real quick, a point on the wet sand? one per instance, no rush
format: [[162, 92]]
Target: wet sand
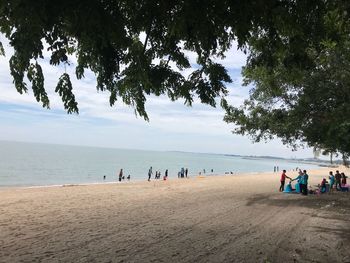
[[240, 218]]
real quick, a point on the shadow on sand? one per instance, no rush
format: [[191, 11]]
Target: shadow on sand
[[334, 206]]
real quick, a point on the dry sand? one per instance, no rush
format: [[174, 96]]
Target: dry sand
[[241, 218]]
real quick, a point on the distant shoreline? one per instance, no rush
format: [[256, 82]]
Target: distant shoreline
[[138, 181], [33, 164]]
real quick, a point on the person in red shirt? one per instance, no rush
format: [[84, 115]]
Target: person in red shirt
[[283, 180]]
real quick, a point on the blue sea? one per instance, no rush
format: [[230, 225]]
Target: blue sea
[[35, 164]]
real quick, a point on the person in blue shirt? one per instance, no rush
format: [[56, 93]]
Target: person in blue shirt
[[303, 183], [331, 180], [298, 179]]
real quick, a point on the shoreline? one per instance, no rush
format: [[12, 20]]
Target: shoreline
[[137, 181]]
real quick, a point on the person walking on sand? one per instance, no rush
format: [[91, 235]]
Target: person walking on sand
[[120, 175], [283, 180], [149, 173]]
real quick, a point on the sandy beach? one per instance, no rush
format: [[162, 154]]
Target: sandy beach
[[240, 218]]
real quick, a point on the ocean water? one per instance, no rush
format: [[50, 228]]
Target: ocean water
[[35, 164]]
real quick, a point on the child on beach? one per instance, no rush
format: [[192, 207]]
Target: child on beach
[[322, 186], [283, 180]]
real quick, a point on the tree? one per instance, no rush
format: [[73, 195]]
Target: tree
[[331, 153], [106, 37], [300, 99]]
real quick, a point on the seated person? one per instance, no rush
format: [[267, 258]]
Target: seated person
[[345, 188], [289, 188], [323, 186]]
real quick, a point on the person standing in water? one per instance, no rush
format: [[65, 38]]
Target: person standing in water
[[120, 175], [283, 180], [186, 172], [149, 173]]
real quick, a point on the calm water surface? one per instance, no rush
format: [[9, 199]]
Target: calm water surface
[[34, 164]]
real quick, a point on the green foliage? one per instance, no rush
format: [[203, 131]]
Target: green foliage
[[300, 102], [2, 51], [35, 75], [64, 89], [298, 58], [106, 37]]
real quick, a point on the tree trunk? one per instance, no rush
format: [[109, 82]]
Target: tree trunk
[[331, 157], [345, 160]]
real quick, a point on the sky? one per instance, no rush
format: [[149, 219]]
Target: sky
[[172, 125]]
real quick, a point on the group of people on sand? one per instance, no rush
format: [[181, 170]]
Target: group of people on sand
[[157, 174], [337, 181], [301, 185]]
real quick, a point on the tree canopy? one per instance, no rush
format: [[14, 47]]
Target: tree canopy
[[106, 37], [298, 58], [300, 100]]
